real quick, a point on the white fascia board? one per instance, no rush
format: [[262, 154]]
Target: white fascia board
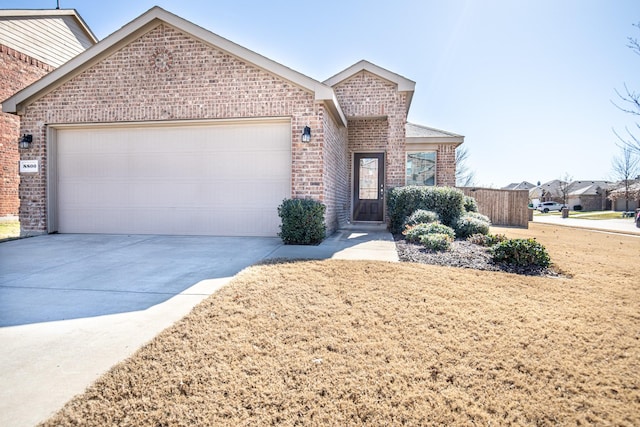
[[435, 140]]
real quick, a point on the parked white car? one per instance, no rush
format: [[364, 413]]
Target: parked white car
[[550, 206]]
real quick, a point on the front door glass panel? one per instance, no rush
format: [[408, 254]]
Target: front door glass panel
[[368, 185]]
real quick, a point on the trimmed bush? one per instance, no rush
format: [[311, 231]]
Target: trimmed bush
[[486, 239], [421, 216], [470, 224], [478, 215], [470, 204], [436, 241], [521, 252], [447, 202], [412, 233], [302, 222]]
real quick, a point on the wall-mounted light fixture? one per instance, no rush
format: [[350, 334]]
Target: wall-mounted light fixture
[[25, 141], [306, 134]]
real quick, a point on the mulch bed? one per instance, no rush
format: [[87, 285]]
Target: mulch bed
[[463, 254]]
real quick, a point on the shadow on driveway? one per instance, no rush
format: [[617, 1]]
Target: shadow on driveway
[[69, 276]]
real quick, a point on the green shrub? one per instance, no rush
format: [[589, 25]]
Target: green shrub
[[479, 216], [521, 252], [470, 204], [486, 239], [403, 201], [471, 224], [436, 241], [412, 233], [302, 222], [421, 216]]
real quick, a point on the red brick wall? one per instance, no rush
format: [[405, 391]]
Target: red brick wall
[[16, 72], [202, 83], [377, 115], [336, 172], [446, 165], [367, 135]]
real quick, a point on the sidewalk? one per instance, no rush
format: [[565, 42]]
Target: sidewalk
[[622, 225]]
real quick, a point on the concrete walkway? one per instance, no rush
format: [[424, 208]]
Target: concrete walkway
[[354, 242], [72, 306], [622, 225]]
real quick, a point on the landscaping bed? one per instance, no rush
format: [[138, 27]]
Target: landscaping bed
[[464, 254]]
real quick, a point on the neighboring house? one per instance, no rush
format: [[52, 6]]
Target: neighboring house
[[524, 185], [32, 44], [547, 192], [590, 195], [164, 127], [618, 196]]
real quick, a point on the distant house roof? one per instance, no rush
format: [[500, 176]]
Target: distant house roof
[[524, 185], [551, 188], [423, 134], [588, 188], [50, 36], [619, 192]]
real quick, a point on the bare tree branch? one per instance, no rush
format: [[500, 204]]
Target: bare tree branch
[[630, 97], [625, 168], [564, 186], [630, 100], [465, 177], [634, 45]]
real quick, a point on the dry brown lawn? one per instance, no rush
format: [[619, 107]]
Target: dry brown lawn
[[372, 343]]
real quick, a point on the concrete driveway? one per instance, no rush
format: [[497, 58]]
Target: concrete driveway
[[65, 276], [72, 306]]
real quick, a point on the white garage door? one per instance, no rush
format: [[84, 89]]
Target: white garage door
[[216, 179]]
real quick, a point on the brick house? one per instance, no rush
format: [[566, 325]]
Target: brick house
[[32, 44], [164, 127]]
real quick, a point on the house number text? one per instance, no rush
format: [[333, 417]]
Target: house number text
[[28, 166]]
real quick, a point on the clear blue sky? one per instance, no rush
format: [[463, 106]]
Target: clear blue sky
[[528, 82]]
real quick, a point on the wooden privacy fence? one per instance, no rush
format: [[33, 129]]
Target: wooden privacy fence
[[504, 207]]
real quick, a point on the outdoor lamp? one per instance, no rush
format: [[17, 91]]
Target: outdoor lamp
[[25, 141], [306, 134]]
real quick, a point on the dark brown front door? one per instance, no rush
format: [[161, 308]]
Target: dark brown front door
[[368, 187]]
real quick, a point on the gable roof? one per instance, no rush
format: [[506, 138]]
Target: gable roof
[[589, 190], [418, 134], [141, 25], [50, 36], [404, 84], [588, 187], [524, 185]]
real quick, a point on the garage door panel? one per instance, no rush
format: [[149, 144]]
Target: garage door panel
[[213, 180]]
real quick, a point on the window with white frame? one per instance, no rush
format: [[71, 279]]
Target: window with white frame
[[421, 168]]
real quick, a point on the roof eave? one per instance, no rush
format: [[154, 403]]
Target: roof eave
[[435, 140], [146, 22]]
